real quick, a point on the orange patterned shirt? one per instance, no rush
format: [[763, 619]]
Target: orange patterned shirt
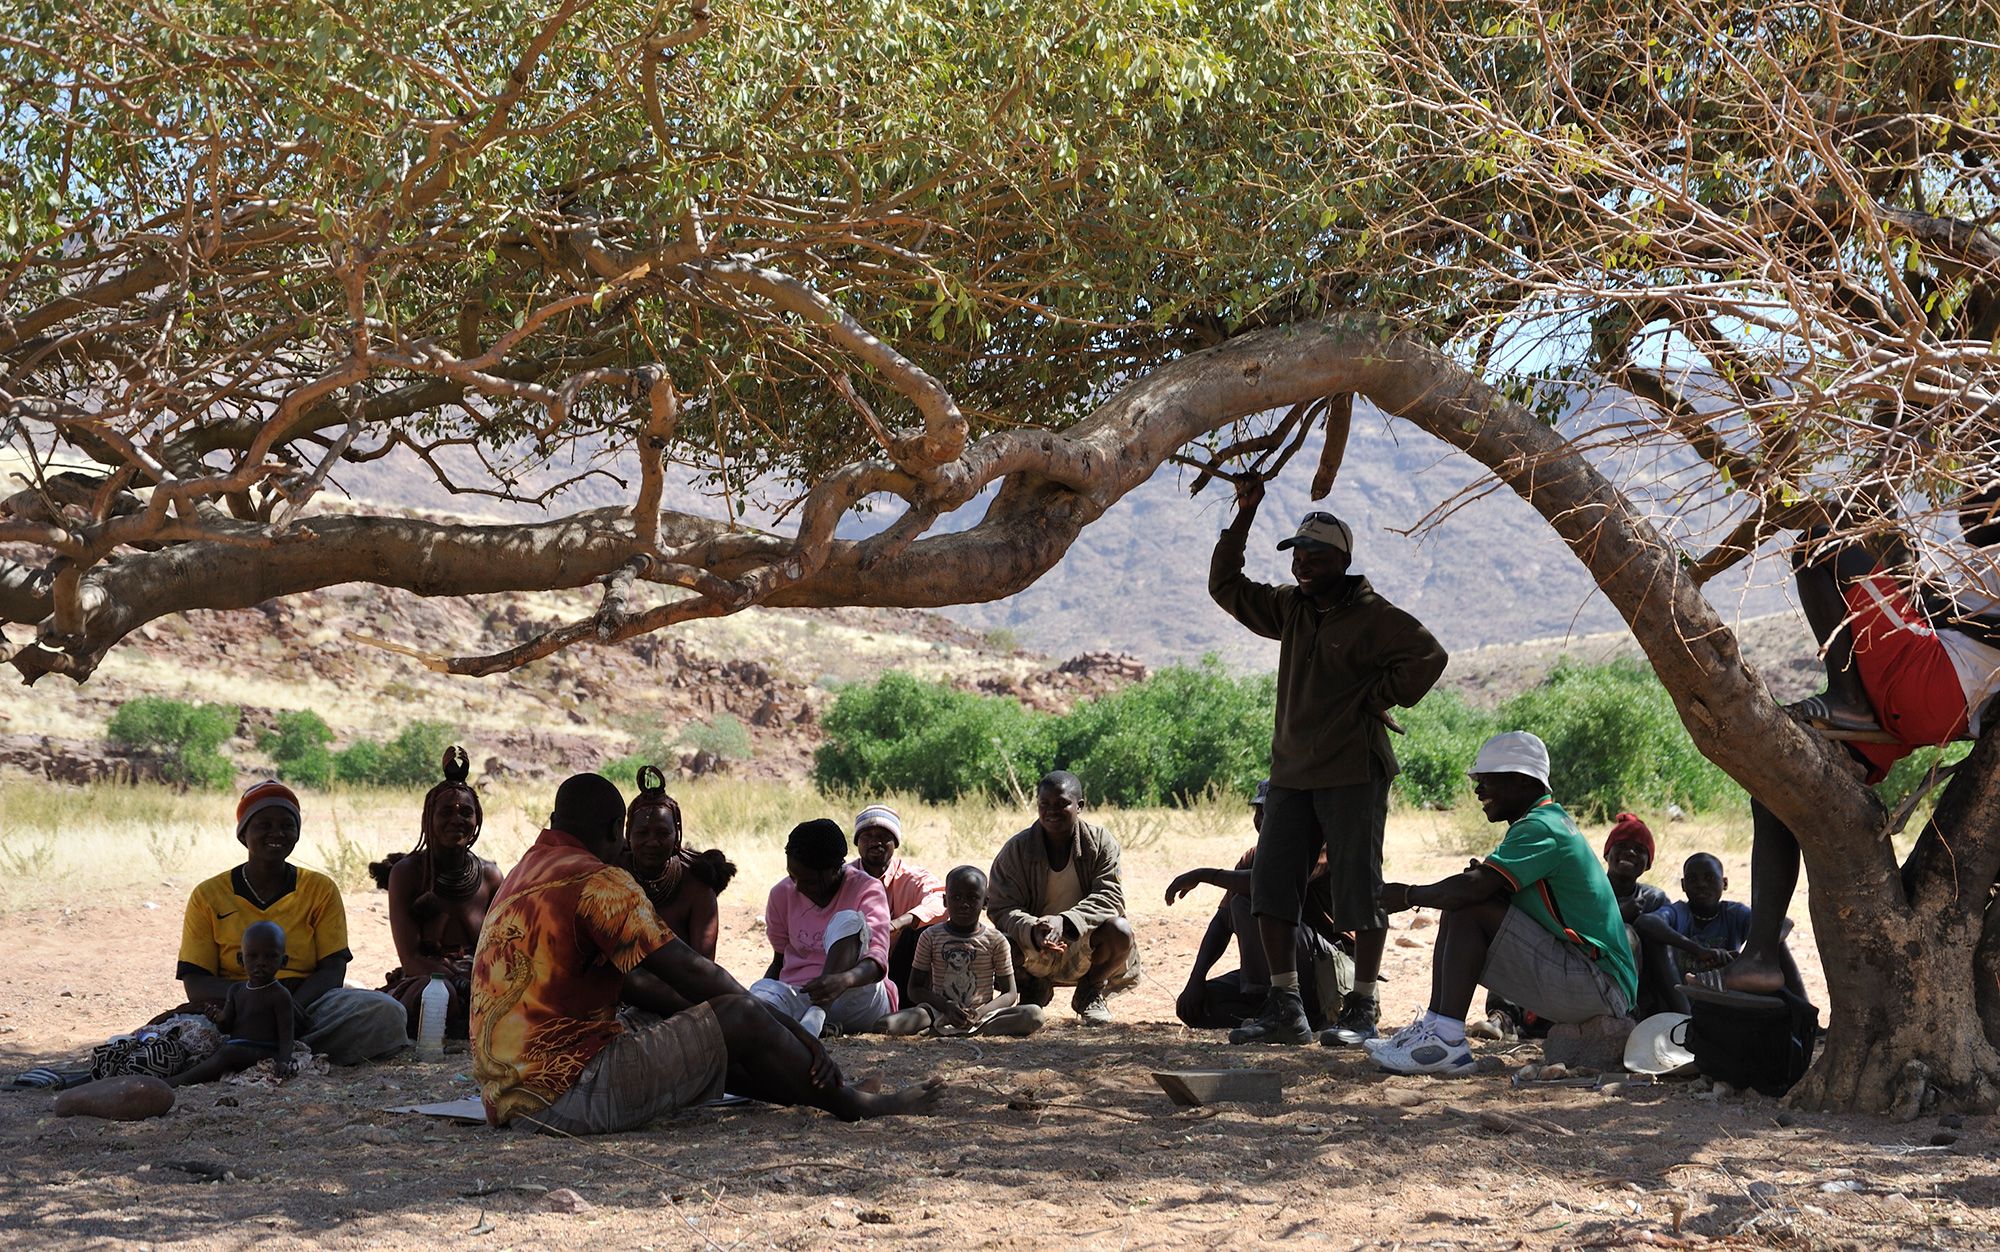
[[563, 931]]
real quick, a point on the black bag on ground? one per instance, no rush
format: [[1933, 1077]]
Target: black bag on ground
[[1764, 1042]]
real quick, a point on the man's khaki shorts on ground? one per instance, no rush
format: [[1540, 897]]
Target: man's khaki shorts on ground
[[1550, 977], [1068, 967], [653, 1069]]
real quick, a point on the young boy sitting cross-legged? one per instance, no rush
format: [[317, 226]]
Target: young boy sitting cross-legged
[[962, 978], [1699, 932], [256, 1017]]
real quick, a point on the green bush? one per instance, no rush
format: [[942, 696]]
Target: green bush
[[188, 738], [1615, 741], [1182, 733], [903, 734], [1910, 773], [409, 760], [1189, 731], [1177, 737], [300, 747], [625, 770], [725, 736], [1444, 736]]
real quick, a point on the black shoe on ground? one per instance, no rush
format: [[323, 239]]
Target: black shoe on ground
[[1356, 1024], [1282, 1021]]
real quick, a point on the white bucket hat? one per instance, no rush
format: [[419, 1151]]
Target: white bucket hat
[[1514, 752], [1658, 1045]]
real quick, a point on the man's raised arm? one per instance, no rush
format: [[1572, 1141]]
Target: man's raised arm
[[1252, 603]]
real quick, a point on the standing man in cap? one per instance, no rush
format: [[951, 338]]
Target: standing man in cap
[[1346, 656], [1535, 922], [916, 897]]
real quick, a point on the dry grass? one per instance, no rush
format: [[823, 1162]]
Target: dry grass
[[71, 845]]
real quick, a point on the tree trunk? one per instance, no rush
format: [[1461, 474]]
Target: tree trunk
[[1905, 1029], [1903, 959]]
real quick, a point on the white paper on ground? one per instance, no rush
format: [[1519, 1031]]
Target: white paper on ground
[[470, 1109]]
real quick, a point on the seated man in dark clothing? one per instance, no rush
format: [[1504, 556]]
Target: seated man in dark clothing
[[1324, 954]]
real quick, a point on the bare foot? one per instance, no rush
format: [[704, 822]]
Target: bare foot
[[916, 1099], [1745, 973]]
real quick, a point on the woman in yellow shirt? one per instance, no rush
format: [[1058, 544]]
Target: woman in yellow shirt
[[346, 1024]]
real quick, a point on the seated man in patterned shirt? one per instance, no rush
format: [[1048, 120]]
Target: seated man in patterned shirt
[[548, 1047]]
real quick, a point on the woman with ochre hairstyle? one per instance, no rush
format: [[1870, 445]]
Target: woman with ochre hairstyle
[[438, 894]]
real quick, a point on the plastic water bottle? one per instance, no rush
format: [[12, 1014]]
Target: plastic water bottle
[[430, 1019]]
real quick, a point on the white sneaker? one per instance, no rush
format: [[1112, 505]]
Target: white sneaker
[[1402, 1036], [1423, 1051]]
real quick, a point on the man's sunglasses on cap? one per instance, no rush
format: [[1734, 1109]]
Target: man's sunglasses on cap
[[1321, 529]]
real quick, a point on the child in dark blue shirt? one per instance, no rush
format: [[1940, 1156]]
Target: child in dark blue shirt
[[1699, 932]]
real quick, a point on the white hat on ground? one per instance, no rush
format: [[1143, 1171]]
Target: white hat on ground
[[1514, 752], [1658, 1044]]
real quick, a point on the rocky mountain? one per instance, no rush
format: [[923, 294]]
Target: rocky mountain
[[1433, 533], [1476, 564]]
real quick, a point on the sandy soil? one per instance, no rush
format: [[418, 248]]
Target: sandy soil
[[1061, 1138]]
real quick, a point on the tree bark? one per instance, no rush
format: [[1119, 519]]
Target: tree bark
[[1909, 1000]]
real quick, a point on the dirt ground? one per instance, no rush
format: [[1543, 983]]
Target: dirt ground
[[1062, 1138]]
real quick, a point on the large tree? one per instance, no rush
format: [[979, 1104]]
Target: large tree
[[914, 250]]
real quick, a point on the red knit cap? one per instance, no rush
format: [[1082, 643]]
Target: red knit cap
[[269, 794], [1627, 828]]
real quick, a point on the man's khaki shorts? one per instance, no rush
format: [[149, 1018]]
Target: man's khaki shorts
[[1548, 976], [650, 1070]]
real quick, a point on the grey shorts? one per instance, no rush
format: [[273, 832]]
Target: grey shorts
[[643, 1073], [1347, 822], [1550, 977]]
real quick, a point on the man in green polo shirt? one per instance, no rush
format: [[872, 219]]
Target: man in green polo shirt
[[1536, 921]]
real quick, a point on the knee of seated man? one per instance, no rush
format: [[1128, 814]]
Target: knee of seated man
[[1112, 936], [736, 1013]]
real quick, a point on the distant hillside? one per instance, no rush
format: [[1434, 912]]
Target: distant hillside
[[773, 671], [1779, 645], [1492, 572]]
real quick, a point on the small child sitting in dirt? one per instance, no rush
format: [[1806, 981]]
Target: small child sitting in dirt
[[1700, 932], [256, 1017], [962, 977]]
